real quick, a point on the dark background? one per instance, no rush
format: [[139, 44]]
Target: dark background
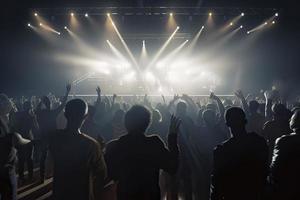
[[277, 56]]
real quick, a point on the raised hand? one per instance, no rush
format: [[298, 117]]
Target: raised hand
[[239, 94], [98, 90], [68, 87], [174, 125], [213, 96]]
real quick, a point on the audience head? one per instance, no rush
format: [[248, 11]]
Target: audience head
[[137, 119], [76, 111], [46, 101], [209, 117], [27, 106], [279, 111], [5, 105], [295, 121], [181, 108], [236, 120], [119, 116], [253, 106], [156, 116]]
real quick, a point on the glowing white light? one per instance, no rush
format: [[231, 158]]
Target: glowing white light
[[231, 24], [241, 26], [273, 22], [108, 14], [65, 27], [29, 24], [186, 40], [171, 14], [177, 27], [266, 23], [242, 14], [58, 33], [86, 15], [129, 77], [41, 24], [210, 14], [248, 32], [35, 14], [72, 14], [149, 77], [160, 89], [202, 27], [276, 14]]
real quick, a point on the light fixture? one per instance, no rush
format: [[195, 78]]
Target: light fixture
[[86, 15], [210, 14], [171, 14], [35, 14], [72, 14], [231, 23], [41, 24], [65, 27], [241, 26], [276, 14], [242, 14], [29, 24]]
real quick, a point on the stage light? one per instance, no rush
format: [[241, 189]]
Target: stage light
[[65, 27], [273, 22], [86, 15], [210, 14], [35, 14], [276, 14], [72, 14], [171, 14], [29, 24], [248, 32], [266, 23], [107, 41], [177, 27], [241, 26], [58, 33], [186, 40], [231, 24], [242, 14], [108, 14], [202, 27], [41, 24]]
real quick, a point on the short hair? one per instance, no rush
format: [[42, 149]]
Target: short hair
[[253, 105], [137, 119], [5, 104], [295, 120], [76, 109], [235, 116], [279, 109]]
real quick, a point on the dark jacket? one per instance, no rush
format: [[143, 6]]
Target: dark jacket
[[240, 168], [285, 168], [134, 161]]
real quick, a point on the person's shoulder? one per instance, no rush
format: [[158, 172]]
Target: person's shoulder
[[286, 139], [88, 139], [156, 139]]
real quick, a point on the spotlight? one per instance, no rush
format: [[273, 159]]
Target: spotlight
[[171, 14], [276, 14], [210, 14], [35, 14], [72, 14], [242, 14], [65, 27], [41, 24], [266, 23], [202, 27], [107, 41], [58, 33], [108, 14], [248, 32], [86, 15], [186, 40], [177, 27], [29, 24], [231, 24], [273, 22], [241, 26]]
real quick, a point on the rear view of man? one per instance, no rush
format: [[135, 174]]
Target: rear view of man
[[79, 167], [240, 163], [134, 160]]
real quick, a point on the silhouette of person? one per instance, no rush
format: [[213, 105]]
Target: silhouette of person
[[134, 160], [8, 141], [79, 167], [47, 124], [278, 126], [255, 120], [25, 124], [285, 166], [241, 163]]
